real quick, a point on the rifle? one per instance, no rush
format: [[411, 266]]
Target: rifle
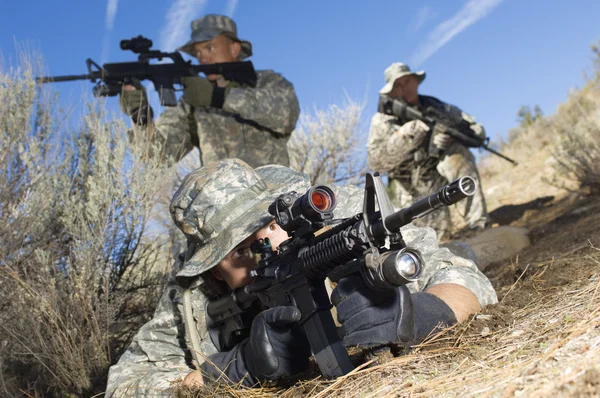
[[321, 246], [438, 124], [110, 77]]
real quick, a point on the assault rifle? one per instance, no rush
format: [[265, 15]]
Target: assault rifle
[[321, 247], [438, 124], [110, 77]]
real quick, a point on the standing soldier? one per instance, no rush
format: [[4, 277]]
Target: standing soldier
[[400, 147], [222, 118]]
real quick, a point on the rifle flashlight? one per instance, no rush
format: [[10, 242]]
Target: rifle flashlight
[[402, 267]]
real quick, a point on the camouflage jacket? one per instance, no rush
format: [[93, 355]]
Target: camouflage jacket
[[391, 152], [159, 355], [254, 125]]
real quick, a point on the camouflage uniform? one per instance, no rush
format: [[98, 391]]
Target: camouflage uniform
[[254, 123], [217, 207], [412, 173]]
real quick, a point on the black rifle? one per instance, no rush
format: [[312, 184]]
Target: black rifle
[[111, 77], [321, 247], [438, 124]]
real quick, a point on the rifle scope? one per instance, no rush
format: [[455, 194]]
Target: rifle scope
[[138, 44], [316, 205]]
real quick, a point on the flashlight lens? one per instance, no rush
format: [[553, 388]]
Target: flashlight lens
[[406, 264]]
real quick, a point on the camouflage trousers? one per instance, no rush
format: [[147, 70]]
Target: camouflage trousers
[[420, 182]]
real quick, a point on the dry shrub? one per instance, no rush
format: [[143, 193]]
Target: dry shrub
[[577, 130], [76, 269], [562, 149], [328, 144]]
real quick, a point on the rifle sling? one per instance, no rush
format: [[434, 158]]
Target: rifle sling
[[190, 329]]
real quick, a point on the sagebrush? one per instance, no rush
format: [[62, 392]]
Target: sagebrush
[[78, 271]]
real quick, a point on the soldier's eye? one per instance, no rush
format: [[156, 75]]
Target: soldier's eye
[[242, 252]]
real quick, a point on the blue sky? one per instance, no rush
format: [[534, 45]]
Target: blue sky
[[487, 56]]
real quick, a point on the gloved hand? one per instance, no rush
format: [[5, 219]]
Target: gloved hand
[[371, 318], [130, 101], [442, 141], [277, 347], [478, 130], [415, 131], [199, 92]]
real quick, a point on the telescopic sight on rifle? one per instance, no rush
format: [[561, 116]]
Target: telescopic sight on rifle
[[138, 44]]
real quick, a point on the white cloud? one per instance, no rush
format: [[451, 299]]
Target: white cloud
[[109, 19], [176, 30], [231, 6], [424, 14], [111, 11], [473, 11]]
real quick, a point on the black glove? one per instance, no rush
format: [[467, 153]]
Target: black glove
[[373, 318], [277, 347], [199, 92]]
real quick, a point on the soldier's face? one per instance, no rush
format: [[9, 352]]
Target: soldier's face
[[235, 267], [407, 88], [218, 50]]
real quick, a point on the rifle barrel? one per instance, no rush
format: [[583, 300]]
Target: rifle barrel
[[487, 148], [445, 196], [67, 78]]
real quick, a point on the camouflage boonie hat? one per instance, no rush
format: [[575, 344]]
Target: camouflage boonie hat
[[395, 71], [210, 26], [219, 205]]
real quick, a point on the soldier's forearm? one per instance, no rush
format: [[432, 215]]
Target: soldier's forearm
[[460, 299]]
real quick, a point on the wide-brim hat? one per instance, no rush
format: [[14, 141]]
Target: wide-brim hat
[[210, 26], [396, 71], [219, 205]]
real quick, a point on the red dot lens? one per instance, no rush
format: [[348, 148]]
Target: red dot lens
[[321, 199]]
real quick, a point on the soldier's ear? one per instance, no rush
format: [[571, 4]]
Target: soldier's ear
[[216, 272], [235, 49]]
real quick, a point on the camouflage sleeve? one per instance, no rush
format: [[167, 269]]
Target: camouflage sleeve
[[441, 266], [157, 356], [386, 148], [272, 104], [171, 132], [458, 115]]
